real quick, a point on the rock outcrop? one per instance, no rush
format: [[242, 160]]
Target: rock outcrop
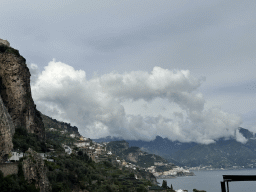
[[16, 92], [6, 132], [5, 42], [35, 170]]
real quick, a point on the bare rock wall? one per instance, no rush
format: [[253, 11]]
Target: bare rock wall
[[6, 132], [16, 92], [35, 170]]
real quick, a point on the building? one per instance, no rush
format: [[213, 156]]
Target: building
[[82, 143], [67, 149], [16, 156]]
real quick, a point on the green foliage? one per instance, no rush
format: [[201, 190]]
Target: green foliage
[[131, 175], [13, 183], [23, 140], [57, 138], [69, 172], [146, 160], [141, 188], [108, 164], [1, 175], [13, 51]]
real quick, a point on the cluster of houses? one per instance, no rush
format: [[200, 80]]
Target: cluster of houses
[[98, 152], [174, 172]]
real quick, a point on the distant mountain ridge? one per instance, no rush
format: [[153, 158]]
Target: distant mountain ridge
[[224, 153]]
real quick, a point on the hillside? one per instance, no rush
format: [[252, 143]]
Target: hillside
[[224, 153], [59, 125], [134, 154]]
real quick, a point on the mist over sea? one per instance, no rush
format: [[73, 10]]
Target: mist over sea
[[210, 181]]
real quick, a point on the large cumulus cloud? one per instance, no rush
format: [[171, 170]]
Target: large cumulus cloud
[[95, 105]]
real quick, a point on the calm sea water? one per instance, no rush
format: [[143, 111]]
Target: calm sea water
[[210, 181]]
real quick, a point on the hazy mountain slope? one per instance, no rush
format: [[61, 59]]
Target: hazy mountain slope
[[224, 153]]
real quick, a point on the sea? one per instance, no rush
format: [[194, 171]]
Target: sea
[[210, 181]]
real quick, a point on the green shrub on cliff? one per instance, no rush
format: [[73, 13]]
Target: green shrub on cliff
[[23, 140], [14, 183]]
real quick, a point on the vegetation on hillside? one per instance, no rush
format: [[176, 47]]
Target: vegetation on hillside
[[122, 149], [72, 172], [76, 171], [22, 140], [14, 183]]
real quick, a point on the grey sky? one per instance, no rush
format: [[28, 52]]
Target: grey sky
[[211, 39]]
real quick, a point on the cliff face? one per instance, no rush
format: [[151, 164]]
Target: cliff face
[[35, 170], [16, 92], [6, 132], [134, 156]]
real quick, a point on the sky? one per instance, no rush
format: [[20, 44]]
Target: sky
[[184, 70]]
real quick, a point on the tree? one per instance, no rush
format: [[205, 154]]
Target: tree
[[171, 188], [164, 184]]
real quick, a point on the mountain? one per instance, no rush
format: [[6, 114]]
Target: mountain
[[20, 121], [17, 106], [15, 91], [222, 154], [133, 154], [159, 146], [225, 153]]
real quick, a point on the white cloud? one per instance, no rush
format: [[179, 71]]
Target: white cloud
[[240, 137], [33, 68], [96, 105]]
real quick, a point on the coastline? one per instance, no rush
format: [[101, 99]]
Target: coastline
[[209, 180]]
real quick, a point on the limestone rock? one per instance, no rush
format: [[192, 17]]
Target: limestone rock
[[35, 171], [16, 92], [5, 42], [6, 132]]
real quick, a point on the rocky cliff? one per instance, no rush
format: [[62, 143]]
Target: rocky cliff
[[16, 92], [6, 132], [35, 171]]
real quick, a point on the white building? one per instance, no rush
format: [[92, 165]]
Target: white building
[[16, 156], [82, 143], [68, 150]]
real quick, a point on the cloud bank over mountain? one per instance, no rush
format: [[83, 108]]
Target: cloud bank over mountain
[[96, 105]]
